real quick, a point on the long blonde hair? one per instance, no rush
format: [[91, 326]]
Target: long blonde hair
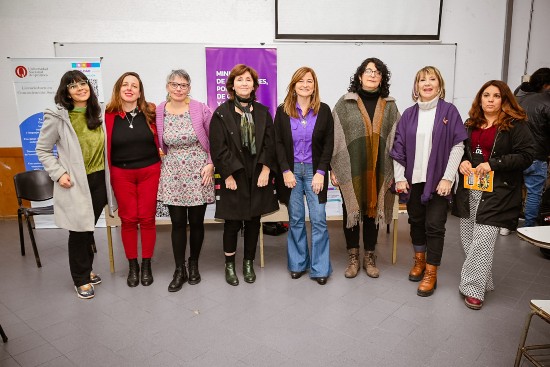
[[289, 104]]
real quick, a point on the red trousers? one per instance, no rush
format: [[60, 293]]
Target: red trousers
[[136, 193]]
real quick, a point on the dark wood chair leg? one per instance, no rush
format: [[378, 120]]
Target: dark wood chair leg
[[3, 334], [33, 242], [21, 236]]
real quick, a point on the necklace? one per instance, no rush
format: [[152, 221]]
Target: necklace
[[133, 113]]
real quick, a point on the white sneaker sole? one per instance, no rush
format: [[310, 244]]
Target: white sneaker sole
[[84, 297]]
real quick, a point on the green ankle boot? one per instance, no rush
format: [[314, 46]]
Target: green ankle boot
[[230, 275], [248, 271]]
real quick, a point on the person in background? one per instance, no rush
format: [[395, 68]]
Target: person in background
[[499, 141], [134, 159], [534, 97], [427, 150], [304, 133], [365, 119], [242, 146], [81, 177], [187, 173]]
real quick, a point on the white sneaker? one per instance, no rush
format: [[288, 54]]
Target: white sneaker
[[505, 232]]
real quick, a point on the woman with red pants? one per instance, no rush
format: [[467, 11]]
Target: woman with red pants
[[134, 159]]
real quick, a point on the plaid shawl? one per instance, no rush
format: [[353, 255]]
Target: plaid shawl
[[361, 160]]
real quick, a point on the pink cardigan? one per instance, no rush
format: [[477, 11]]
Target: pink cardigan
[[200, 118]]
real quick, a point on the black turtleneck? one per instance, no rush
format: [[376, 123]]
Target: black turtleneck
[[369, 99]]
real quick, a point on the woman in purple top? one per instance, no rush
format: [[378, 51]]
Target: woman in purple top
[[427, 150], [187, 174], [304, 133]]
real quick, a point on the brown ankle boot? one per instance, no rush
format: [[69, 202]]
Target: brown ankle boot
[[429, 282], [353, 266], [417, 271], [369, 264]]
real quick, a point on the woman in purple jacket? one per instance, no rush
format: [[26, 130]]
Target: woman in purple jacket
[[187, 173], [427, 151]]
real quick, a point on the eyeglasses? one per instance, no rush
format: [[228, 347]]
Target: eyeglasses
[[174, 85], [372, 72], [80, 84]]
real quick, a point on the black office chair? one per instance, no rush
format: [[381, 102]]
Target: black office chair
[[3, 335], [32, 186]]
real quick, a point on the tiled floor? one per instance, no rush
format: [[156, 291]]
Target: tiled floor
[[275, 322]]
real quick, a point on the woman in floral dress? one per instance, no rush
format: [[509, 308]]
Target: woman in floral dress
[[186, 180]]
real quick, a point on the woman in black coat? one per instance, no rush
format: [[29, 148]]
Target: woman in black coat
[[499, 140], [304, 134], [243, 152]]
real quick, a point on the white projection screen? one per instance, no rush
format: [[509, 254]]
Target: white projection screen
[[358, 19]]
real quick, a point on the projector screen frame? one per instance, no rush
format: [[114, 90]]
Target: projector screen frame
[[356, 37]]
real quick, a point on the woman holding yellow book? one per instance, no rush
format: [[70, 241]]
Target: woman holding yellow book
[[499, 141]]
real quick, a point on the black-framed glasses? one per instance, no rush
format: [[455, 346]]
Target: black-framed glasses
[[76, 85], [373, 72], [175, 85]]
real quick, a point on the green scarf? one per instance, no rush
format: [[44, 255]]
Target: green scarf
[[248, 131]]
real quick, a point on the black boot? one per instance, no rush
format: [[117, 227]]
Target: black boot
[[194, 275], [146, 274], [248, 271], [133, 273], [230, 275], [180, 277]]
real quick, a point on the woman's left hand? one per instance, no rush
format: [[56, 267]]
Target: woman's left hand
[[207, 174], [483, 168], [264, 177], [444, 187], [317, 183]]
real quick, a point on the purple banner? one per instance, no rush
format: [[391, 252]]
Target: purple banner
[[220, 61]]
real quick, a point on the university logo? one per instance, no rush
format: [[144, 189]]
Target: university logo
[[21, 71]]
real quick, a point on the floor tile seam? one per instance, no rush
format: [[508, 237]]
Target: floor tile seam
[[54, 357], [36, 346]]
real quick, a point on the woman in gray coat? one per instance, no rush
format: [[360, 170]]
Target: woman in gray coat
[[79, 172]]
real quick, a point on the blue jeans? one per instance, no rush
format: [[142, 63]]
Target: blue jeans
[[297, 249], [534, 178]]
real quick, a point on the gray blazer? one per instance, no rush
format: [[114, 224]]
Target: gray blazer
[[73, 206]]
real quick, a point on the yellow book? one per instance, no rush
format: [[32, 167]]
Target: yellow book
[[479, 183]]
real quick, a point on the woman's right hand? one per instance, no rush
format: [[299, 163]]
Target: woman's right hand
[[289, 179], [333, 179], [466, 168], [65, 181], [402, 187], [230, 183]]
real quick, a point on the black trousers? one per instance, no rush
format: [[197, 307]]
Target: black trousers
[[179, 216], [81, 253], [370, 232], [427, 223], [231, 230]]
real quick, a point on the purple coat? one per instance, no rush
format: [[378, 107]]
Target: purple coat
[[448, 131], [200, 119]]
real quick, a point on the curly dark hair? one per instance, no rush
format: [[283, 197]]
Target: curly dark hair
[[355, 83], [62, 97]]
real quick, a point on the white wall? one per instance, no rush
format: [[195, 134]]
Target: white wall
[[539, 50], [28, 28]]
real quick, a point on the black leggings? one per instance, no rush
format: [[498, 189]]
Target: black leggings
[[179, 216], [231, 230]]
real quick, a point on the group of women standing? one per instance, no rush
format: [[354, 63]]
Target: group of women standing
[[370, 151]]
